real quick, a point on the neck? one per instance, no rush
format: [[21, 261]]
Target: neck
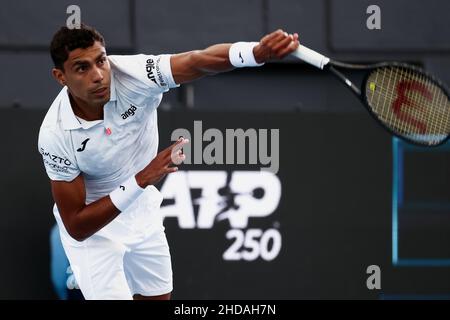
[[84, 111]]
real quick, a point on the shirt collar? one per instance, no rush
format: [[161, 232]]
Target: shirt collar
[[68, 119]]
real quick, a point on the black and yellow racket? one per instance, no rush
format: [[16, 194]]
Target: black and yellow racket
[[405, 100]]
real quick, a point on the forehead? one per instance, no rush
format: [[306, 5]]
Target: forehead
[[86, 54]]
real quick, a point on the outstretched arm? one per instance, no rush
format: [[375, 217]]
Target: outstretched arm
[[192, 65]]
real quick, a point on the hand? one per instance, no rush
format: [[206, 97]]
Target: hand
[[277, 45], [160, 165]]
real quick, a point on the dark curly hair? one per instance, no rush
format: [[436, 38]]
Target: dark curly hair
[[66, 40]]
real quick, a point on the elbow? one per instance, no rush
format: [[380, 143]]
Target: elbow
[[78, 236], [76, 233]]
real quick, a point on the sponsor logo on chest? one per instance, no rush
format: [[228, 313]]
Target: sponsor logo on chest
[[129, 113]]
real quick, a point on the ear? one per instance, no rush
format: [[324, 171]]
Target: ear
[[58, 74]]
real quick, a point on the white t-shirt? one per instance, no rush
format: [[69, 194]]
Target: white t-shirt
[[107, 152]]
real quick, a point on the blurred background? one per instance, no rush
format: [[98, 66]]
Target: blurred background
[[347, 195]]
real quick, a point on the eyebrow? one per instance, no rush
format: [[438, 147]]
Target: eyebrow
[[84, 62]]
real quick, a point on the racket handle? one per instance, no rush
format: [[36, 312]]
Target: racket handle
[[310, 56]]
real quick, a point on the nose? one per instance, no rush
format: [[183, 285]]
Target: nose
[[97, 75]]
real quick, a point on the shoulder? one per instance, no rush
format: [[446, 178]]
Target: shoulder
[[48, 135], [57, 154], [52, 117], [151, 73], [54, 144], [51, 133]]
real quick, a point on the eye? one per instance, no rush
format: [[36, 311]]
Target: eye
[[102, 61], [81, 69]]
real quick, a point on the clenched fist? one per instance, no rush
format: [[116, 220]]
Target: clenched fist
[[275, 45]]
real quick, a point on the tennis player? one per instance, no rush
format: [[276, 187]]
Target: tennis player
[[99, 143]]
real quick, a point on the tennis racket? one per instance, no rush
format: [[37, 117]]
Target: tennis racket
[[410, 103]]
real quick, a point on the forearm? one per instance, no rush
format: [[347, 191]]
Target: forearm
[[196, 64], [192, 65], [92, 218], [81, 220], [213, 59]]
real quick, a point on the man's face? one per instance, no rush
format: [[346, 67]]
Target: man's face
[[87, 74]]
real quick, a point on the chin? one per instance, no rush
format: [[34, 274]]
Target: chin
[[100, 101], [106, 100]]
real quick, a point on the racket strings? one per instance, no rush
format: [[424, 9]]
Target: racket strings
[[419, 99], [416, 97], [409, 103]]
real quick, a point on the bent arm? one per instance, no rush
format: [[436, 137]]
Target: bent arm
[[81, 220]]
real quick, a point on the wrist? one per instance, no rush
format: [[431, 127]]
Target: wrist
[[259, 54], [140, 180], [126, 193], [241, 55]]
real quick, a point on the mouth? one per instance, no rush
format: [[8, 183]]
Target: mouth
[[100, 92]]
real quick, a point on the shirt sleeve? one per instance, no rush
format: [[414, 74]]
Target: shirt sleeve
[[150, 74], [59, 162]]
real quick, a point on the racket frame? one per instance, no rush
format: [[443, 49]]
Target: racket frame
[[360, 92]]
